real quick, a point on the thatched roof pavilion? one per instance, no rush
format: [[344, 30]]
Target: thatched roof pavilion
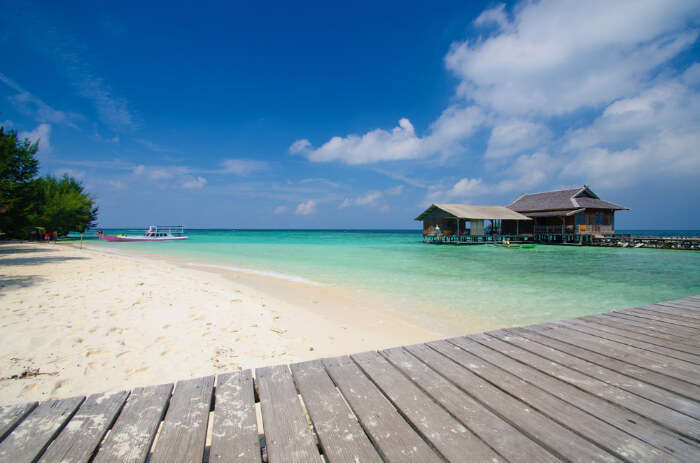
[[451, 219]]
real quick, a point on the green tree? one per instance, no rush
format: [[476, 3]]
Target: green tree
[[27, 202], [18, 168], [63, 205]]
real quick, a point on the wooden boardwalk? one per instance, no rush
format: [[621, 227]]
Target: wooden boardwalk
[[620, 386]]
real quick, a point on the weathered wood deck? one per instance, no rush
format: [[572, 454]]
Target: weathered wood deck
[[620, 386]]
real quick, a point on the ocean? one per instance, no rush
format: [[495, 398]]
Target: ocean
[[497, 286]]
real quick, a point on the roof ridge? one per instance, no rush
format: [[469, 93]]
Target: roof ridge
[[551, 191]]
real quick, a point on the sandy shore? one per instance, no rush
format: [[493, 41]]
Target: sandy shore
[[90, 321]]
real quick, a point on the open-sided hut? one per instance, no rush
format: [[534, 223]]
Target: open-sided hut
[[566, 215], [459, 220]]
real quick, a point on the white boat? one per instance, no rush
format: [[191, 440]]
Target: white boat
[[153, 233]]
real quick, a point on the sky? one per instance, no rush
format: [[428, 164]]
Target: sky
[[357, 115]]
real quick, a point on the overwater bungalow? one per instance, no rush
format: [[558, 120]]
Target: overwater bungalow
[[464, 223], [575, 215], [565, 216]]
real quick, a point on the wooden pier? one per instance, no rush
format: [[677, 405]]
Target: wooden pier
[[619, 386]]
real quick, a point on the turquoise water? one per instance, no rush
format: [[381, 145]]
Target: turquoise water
[[498, 286]]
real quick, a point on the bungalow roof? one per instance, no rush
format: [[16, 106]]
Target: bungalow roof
[[569, 199]]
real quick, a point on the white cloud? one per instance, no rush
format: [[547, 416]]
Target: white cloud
[[300, 146], [378, 145], [306, 207], [374, 199], [7, 124], [561, 55], [281, 210], [193, 183], [496, 15], [371, 198], [29, 104], [401, 143], [509, 137], [42, 133], [523, 174], [241, 167], [655, 133]]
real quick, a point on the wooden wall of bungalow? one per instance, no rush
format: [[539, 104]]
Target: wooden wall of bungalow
[[589, 221], [446, 221]]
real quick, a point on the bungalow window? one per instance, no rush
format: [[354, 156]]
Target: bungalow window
[[580, 218]]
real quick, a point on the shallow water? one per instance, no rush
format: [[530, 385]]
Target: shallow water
[[497, 286]]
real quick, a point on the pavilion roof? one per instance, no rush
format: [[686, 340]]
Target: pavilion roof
[[467, 211]]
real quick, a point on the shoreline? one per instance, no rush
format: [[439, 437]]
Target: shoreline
[[105, 321]]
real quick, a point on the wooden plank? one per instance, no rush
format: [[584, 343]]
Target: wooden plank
[[446, 359], [554, 338], [500, 435], [681, 337], [341, 436], [645, 359], [11, 415], [184, 429], [636, 330], [235, 431], [631, 340], [690, 299], [390, 433], [84, 432], [673, 309], [131, 436], [32, 435], [665, 321], [638, 334], [625, 411], [687, 304], [671, 313], [609, 437], [452, 439], [642, 389], [287, 434]]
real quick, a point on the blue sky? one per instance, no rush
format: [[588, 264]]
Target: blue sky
[[283, 115]]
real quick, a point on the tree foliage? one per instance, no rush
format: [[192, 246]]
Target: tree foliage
[[62, 205], [28, 202]]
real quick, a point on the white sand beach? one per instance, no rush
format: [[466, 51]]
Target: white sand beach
[[90, 321]]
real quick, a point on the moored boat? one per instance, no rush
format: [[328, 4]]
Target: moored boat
[[153, 233]]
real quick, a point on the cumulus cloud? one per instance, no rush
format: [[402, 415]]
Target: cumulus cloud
[[509, 137], [281, 210], [400, 143], [307, 207], [193, 183], [41, 134], [496, 15], [560, 55], [300, 146], [378, 145]]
